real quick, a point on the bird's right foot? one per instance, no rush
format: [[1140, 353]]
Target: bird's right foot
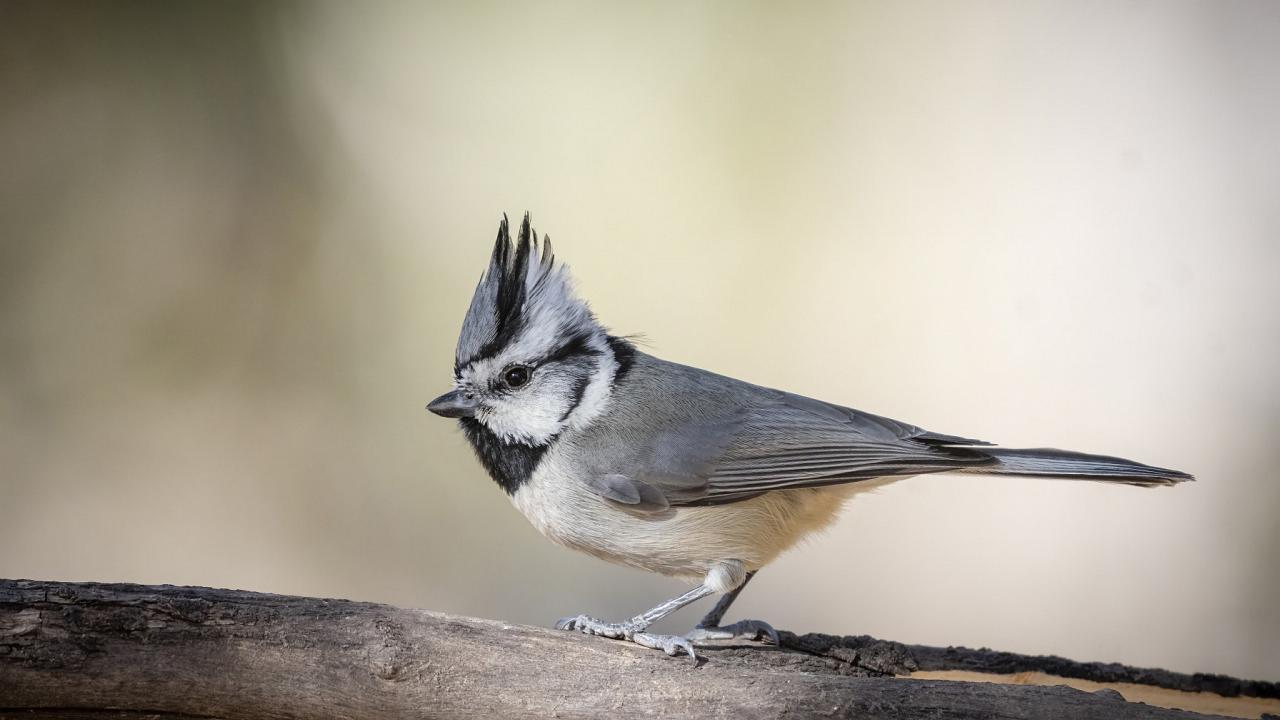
[[749, 629]]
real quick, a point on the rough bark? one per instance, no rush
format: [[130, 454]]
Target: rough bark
[[86, 650]]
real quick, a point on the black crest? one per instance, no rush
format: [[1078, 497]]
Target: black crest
[[521, 288]]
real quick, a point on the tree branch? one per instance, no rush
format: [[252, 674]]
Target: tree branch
[[80, 650]]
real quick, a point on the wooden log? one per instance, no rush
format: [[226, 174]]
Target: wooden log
[[80, 650]]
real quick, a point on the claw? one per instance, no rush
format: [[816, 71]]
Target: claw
[[572, 622], [670, 644], [630, 630]]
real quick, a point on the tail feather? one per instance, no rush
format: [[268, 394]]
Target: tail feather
[[1048, 462]]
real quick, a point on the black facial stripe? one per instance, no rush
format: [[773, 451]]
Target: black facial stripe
[[579, 389], [625, 355], [509, 464], [574, 346], [577, 346]]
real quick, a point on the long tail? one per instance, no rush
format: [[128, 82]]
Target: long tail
[[1051, 463]]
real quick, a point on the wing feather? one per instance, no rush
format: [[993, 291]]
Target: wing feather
[[788, 441], [725, 440]]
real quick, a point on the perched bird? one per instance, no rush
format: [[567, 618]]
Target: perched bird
[[673, 469]]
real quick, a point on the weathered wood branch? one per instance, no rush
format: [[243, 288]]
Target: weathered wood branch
[[75, 650]]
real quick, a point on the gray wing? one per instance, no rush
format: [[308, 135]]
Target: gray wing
[[789, 441], [723, 440]]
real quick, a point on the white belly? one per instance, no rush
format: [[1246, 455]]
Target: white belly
[[681, 542]]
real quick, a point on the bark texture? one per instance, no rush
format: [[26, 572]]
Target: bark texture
[[87, 650]]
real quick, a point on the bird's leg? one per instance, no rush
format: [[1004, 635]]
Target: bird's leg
[[709, 627], [634, 629], [716, 614]]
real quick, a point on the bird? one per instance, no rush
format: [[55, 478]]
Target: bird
[[672, 469]]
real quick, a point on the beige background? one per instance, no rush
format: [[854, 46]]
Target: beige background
[[238, 242]]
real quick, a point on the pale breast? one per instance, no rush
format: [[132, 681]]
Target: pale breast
[[681, 542]]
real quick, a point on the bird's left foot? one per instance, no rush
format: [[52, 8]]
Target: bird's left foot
[[592, 626], [749, 629], [669, 644], [630, 631]]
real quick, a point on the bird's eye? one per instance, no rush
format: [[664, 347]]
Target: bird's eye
[[516, 376]]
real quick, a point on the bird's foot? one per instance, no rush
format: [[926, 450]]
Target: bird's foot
[[592, 626], [669, 644], [631, 631], [749, 629]]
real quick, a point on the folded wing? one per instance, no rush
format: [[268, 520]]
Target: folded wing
[[775, 440], [789, 441]]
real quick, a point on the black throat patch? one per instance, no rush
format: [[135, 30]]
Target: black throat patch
[[509, 464]]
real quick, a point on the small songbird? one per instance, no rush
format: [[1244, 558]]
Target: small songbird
[[673, 469]]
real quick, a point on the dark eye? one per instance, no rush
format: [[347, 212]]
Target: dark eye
[[516, 376]]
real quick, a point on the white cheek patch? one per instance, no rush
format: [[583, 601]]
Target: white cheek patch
[[530, 414], [537, 412]]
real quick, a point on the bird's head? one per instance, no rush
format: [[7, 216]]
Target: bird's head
[[531, 359]]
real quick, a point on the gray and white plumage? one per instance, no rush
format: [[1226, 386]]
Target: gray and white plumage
[[670, 468]]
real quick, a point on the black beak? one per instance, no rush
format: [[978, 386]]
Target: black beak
[[453, 404]]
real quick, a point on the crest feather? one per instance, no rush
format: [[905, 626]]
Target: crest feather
[[521, 288]]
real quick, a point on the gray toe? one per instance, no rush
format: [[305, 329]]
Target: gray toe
[[591, 626], [670, 644], [748, 629]]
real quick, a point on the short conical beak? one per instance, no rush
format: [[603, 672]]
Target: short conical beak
[[453, 404]]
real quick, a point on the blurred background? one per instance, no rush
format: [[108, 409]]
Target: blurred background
[[237, 242]]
